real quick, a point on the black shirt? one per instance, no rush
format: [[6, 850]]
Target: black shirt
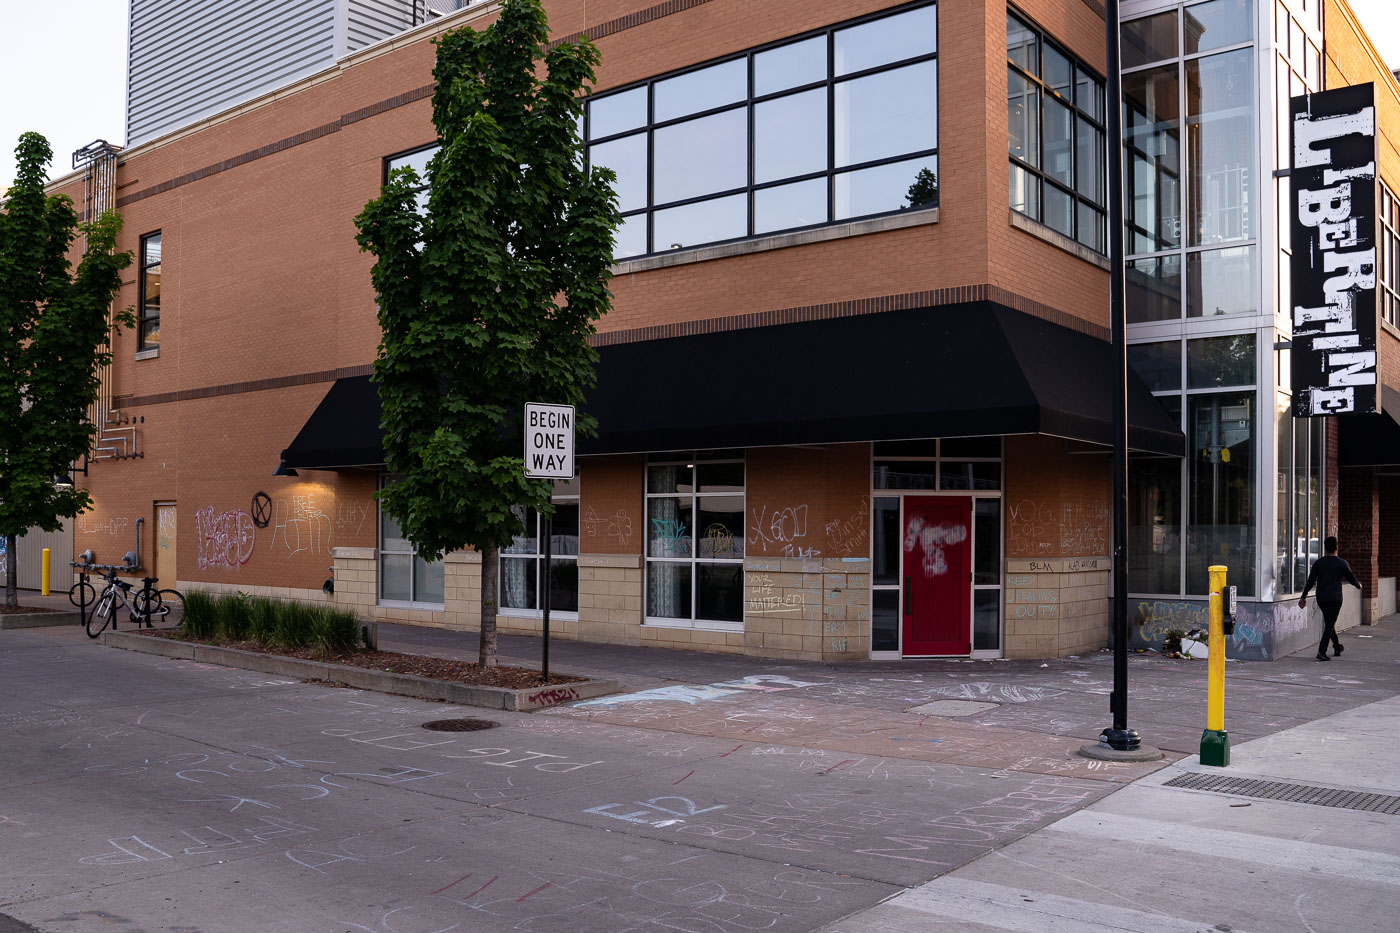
[[1327, 574]]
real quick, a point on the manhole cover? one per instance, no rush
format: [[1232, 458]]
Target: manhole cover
[[460, 725], [952, 708]]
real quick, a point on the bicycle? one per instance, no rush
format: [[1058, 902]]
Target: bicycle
[[145, 604]]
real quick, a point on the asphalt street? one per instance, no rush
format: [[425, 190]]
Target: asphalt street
[[717, 794]]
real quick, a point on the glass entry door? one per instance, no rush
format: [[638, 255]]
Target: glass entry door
[[935, 610]]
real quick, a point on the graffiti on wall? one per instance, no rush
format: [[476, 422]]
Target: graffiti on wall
[[848, 537], [1075, 527], [165, 528], [616, 528], [781, 530], [302, 525], [351, 517], [225, 539], [103, 526]]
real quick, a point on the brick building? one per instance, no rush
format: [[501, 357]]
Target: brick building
[[854, 389]]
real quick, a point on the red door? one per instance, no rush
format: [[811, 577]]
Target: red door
[[937, 575]]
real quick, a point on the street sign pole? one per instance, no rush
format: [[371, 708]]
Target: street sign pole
[[549, 454], [548, 532]]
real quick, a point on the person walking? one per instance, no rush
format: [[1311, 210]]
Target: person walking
[[1327, 575]]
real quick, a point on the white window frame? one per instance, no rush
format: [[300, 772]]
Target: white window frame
[[693, 560]]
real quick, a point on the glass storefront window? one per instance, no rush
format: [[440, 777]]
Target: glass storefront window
[[1154, 525], [695, 539], [1220, 489], [404, 577], [521, 574]]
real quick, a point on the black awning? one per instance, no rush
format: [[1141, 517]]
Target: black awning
[[343, 431], [1371, 440], [965, 371], [969, 370]]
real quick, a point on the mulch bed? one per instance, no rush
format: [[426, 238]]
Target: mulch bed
[[450, 669], [29, 610]]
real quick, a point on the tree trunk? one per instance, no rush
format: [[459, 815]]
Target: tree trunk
[[489, 568], [11, 570]]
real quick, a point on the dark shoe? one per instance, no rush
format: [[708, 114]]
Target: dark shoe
[[1322, 657], [1337, 651]]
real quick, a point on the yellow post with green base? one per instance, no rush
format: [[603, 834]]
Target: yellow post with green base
[[1215, 741]]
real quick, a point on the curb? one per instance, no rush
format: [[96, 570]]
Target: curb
[[38, 619], [411, 685]]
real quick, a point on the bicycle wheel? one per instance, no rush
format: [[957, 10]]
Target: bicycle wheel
[[173, 606], [101, 614], [82, 592], [145, 607]]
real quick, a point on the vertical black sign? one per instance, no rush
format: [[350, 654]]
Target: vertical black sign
[[1334, 252]]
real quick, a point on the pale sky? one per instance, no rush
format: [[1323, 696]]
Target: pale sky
[[64, 71]]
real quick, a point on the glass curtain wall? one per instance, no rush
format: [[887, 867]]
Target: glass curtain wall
[[1300, 442], [1192, 218]]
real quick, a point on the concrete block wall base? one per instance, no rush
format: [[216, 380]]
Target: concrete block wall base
[[425, 688], [38, 619]]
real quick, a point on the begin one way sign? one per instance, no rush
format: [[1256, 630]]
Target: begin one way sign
[[549, 441]]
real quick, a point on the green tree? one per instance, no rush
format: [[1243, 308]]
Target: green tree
[[488, 300], [57, 335]]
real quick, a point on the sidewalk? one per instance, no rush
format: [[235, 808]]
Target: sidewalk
[[1154, 857]]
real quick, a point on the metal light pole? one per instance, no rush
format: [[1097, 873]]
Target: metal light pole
[[1118, 741]]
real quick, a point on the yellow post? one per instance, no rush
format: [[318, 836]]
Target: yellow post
[[44, 584], [1215, 741]]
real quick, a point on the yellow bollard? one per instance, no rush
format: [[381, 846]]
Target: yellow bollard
[[44, 569], [1215, 741]]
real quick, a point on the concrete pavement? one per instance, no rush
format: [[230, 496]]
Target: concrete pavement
[[719, 793], [1156, 858]]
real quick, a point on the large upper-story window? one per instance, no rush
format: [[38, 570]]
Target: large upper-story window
[[1054, 110], [148, 334], [821, 128], [1388, 297]]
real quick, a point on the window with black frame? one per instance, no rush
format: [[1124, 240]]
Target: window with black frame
[[695, 539], [418, 161], [148, 324], [1055, 114], [821, 128], [522, 561]]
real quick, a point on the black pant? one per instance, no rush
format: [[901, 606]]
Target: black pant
[[1329, 630]]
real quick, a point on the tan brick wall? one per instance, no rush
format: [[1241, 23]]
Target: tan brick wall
[[814, 609]]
